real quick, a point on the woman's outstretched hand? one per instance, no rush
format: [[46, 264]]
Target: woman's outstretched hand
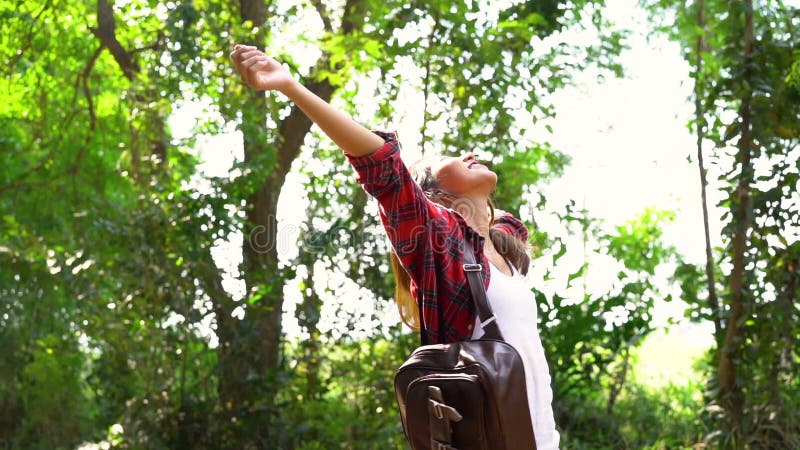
[[258, 70], [261, 72]]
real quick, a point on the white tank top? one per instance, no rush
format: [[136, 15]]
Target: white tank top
[[514, 306]]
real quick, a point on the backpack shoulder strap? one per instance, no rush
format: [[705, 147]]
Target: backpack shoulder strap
[[474, 273]]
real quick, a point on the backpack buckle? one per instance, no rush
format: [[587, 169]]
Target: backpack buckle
[[473, 267], [437, 409]]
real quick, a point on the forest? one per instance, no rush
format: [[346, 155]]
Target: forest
[[145, 304]]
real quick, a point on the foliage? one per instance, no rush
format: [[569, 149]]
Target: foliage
[[358, 406], [745, 57], [646, 418], [588, 341]]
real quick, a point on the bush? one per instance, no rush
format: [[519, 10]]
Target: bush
[[643, 417]]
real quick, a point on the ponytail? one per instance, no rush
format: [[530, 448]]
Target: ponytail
[[516, 251], [406, 303]]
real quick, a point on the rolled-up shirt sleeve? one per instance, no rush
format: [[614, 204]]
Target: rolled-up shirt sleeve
[[509, 224], [377, 171]]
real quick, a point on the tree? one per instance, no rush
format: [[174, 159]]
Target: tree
[[746, 97]]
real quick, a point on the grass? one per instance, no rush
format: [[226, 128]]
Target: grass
[[668, 357]]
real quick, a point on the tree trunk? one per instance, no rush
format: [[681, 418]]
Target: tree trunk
[[730, 393], [618, 381], [247, 346], [713, 302], [308, 314], [250, 349]]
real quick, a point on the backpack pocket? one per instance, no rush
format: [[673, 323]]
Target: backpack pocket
[[460, 391]]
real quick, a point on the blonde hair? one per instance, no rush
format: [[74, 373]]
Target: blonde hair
[[515, 251], [406, 303]]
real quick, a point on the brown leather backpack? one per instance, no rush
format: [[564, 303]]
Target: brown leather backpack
[[466, 395]]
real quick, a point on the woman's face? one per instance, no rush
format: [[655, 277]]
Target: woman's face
[[463, 176]]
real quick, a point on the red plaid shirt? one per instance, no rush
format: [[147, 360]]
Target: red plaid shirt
[[426, 237]]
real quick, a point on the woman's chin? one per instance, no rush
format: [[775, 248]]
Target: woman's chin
[[489, 181], [493, 177]]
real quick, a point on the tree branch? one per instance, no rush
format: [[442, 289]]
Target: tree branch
[[154, 46], [28, 39], [84, 79], [432, 42], [323, 14], [353, 10], [86, 91], [296, 125], [106, 32], [700, 47]]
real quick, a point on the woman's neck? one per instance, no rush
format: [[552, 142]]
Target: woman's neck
[[475, 213]]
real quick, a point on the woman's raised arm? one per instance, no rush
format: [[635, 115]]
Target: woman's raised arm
[[261, 72]]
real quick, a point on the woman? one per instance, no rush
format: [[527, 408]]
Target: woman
[[426, 216]]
